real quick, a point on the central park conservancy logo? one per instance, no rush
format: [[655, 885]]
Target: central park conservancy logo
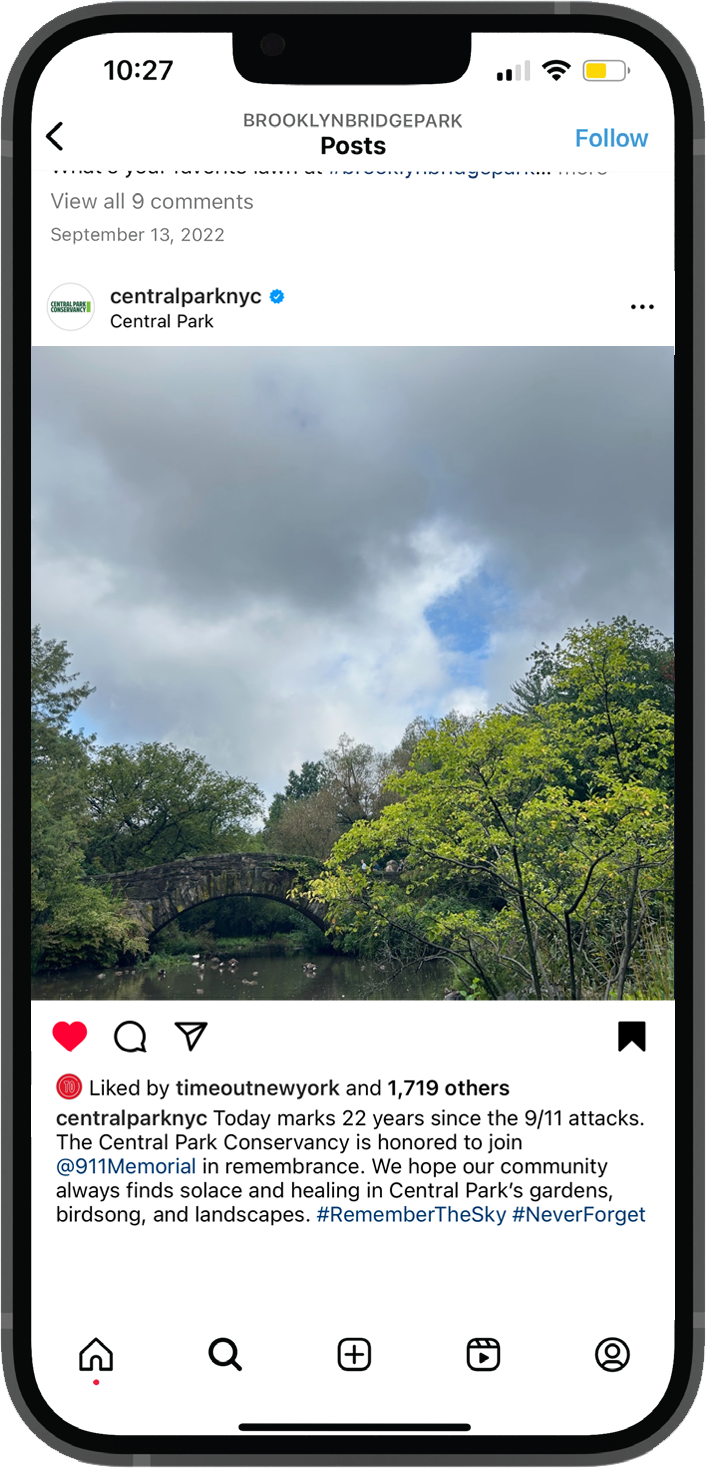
[[71, 306]]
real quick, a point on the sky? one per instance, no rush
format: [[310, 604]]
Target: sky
[[252, 550]]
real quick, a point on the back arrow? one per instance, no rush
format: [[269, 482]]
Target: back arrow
[[51, 139]]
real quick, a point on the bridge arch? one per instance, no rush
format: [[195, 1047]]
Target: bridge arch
[[156, 895]]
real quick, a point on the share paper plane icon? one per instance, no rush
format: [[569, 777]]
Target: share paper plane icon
[[192, 1031]]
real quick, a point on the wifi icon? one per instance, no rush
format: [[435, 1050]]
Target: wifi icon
[[556, 69]]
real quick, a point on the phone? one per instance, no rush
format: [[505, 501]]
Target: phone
[[362, 353]]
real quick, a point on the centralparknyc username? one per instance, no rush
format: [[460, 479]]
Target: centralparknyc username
[[178, 297]]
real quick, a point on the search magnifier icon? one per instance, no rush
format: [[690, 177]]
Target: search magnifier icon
[[227, 1352]]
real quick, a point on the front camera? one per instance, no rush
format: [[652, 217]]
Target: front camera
[[272, 45]]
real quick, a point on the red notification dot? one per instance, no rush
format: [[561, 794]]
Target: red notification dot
[[96, 1383], [69, 1086]]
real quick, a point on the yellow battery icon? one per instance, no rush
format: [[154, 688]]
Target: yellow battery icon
[[605, 71]]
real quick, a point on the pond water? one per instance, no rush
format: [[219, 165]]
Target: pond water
[[265, 975]]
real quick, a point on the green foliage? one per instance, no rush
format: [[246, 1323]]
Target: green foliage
[[345, 786], [612, 679], [354, 774], [647, 663], [103, 810], [302, 819], [299, 787], [307, 827], [53, 700], [84, 925], [70, 921], [153, 803], [307, 782], [654, 964], [530, 848]]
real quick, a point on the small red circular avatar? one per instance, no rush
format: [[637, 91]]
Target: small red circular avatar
[[69, 1086]]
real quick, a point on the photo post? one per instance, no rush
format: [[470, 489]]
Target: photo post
[[353, 674]]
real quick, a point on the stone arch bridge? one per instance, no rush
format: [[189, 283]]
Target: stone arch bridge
[[156, 895]]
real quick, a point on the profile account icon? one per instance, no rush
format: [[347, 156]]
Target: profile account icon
[[612, 1354]]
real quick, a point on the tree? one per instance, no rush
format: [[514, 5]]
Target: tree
[[329, 795], [306, 827], [615, 682], [355, 775], [59, 764], [153, 803], [537, 847], [533, 690], [70, 920], [647, 665], [307, 782], [415, 731], [53, 699], [298, 787]]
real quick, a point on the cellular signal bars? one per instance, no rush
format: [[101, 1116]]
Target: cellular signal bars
[[507, 76]]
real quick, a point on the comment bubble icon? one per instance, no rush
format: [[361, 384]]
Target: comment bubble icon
[[130, 1036]]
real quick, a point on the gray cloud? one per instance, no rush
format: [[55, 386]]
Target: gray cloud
[[251, 549]]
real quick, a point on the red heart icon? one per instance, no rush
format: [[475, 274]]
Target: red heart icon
[[69, 1035]]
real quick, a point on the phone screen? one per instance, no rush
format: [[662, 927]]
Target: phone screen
[[353, 534]]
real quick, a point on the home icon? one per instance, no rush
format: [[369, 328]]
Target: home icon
[[95, 1357]]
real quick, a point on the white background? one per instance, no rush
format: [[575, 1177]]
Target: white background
[[686, 19], [417, 1290], [611, 210]]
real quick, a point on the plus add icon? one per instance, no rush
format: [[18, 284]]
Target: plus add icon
[[354, 1353]]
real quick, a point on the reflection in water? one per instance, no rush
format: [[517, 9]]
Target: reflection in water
[[258, 976]]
